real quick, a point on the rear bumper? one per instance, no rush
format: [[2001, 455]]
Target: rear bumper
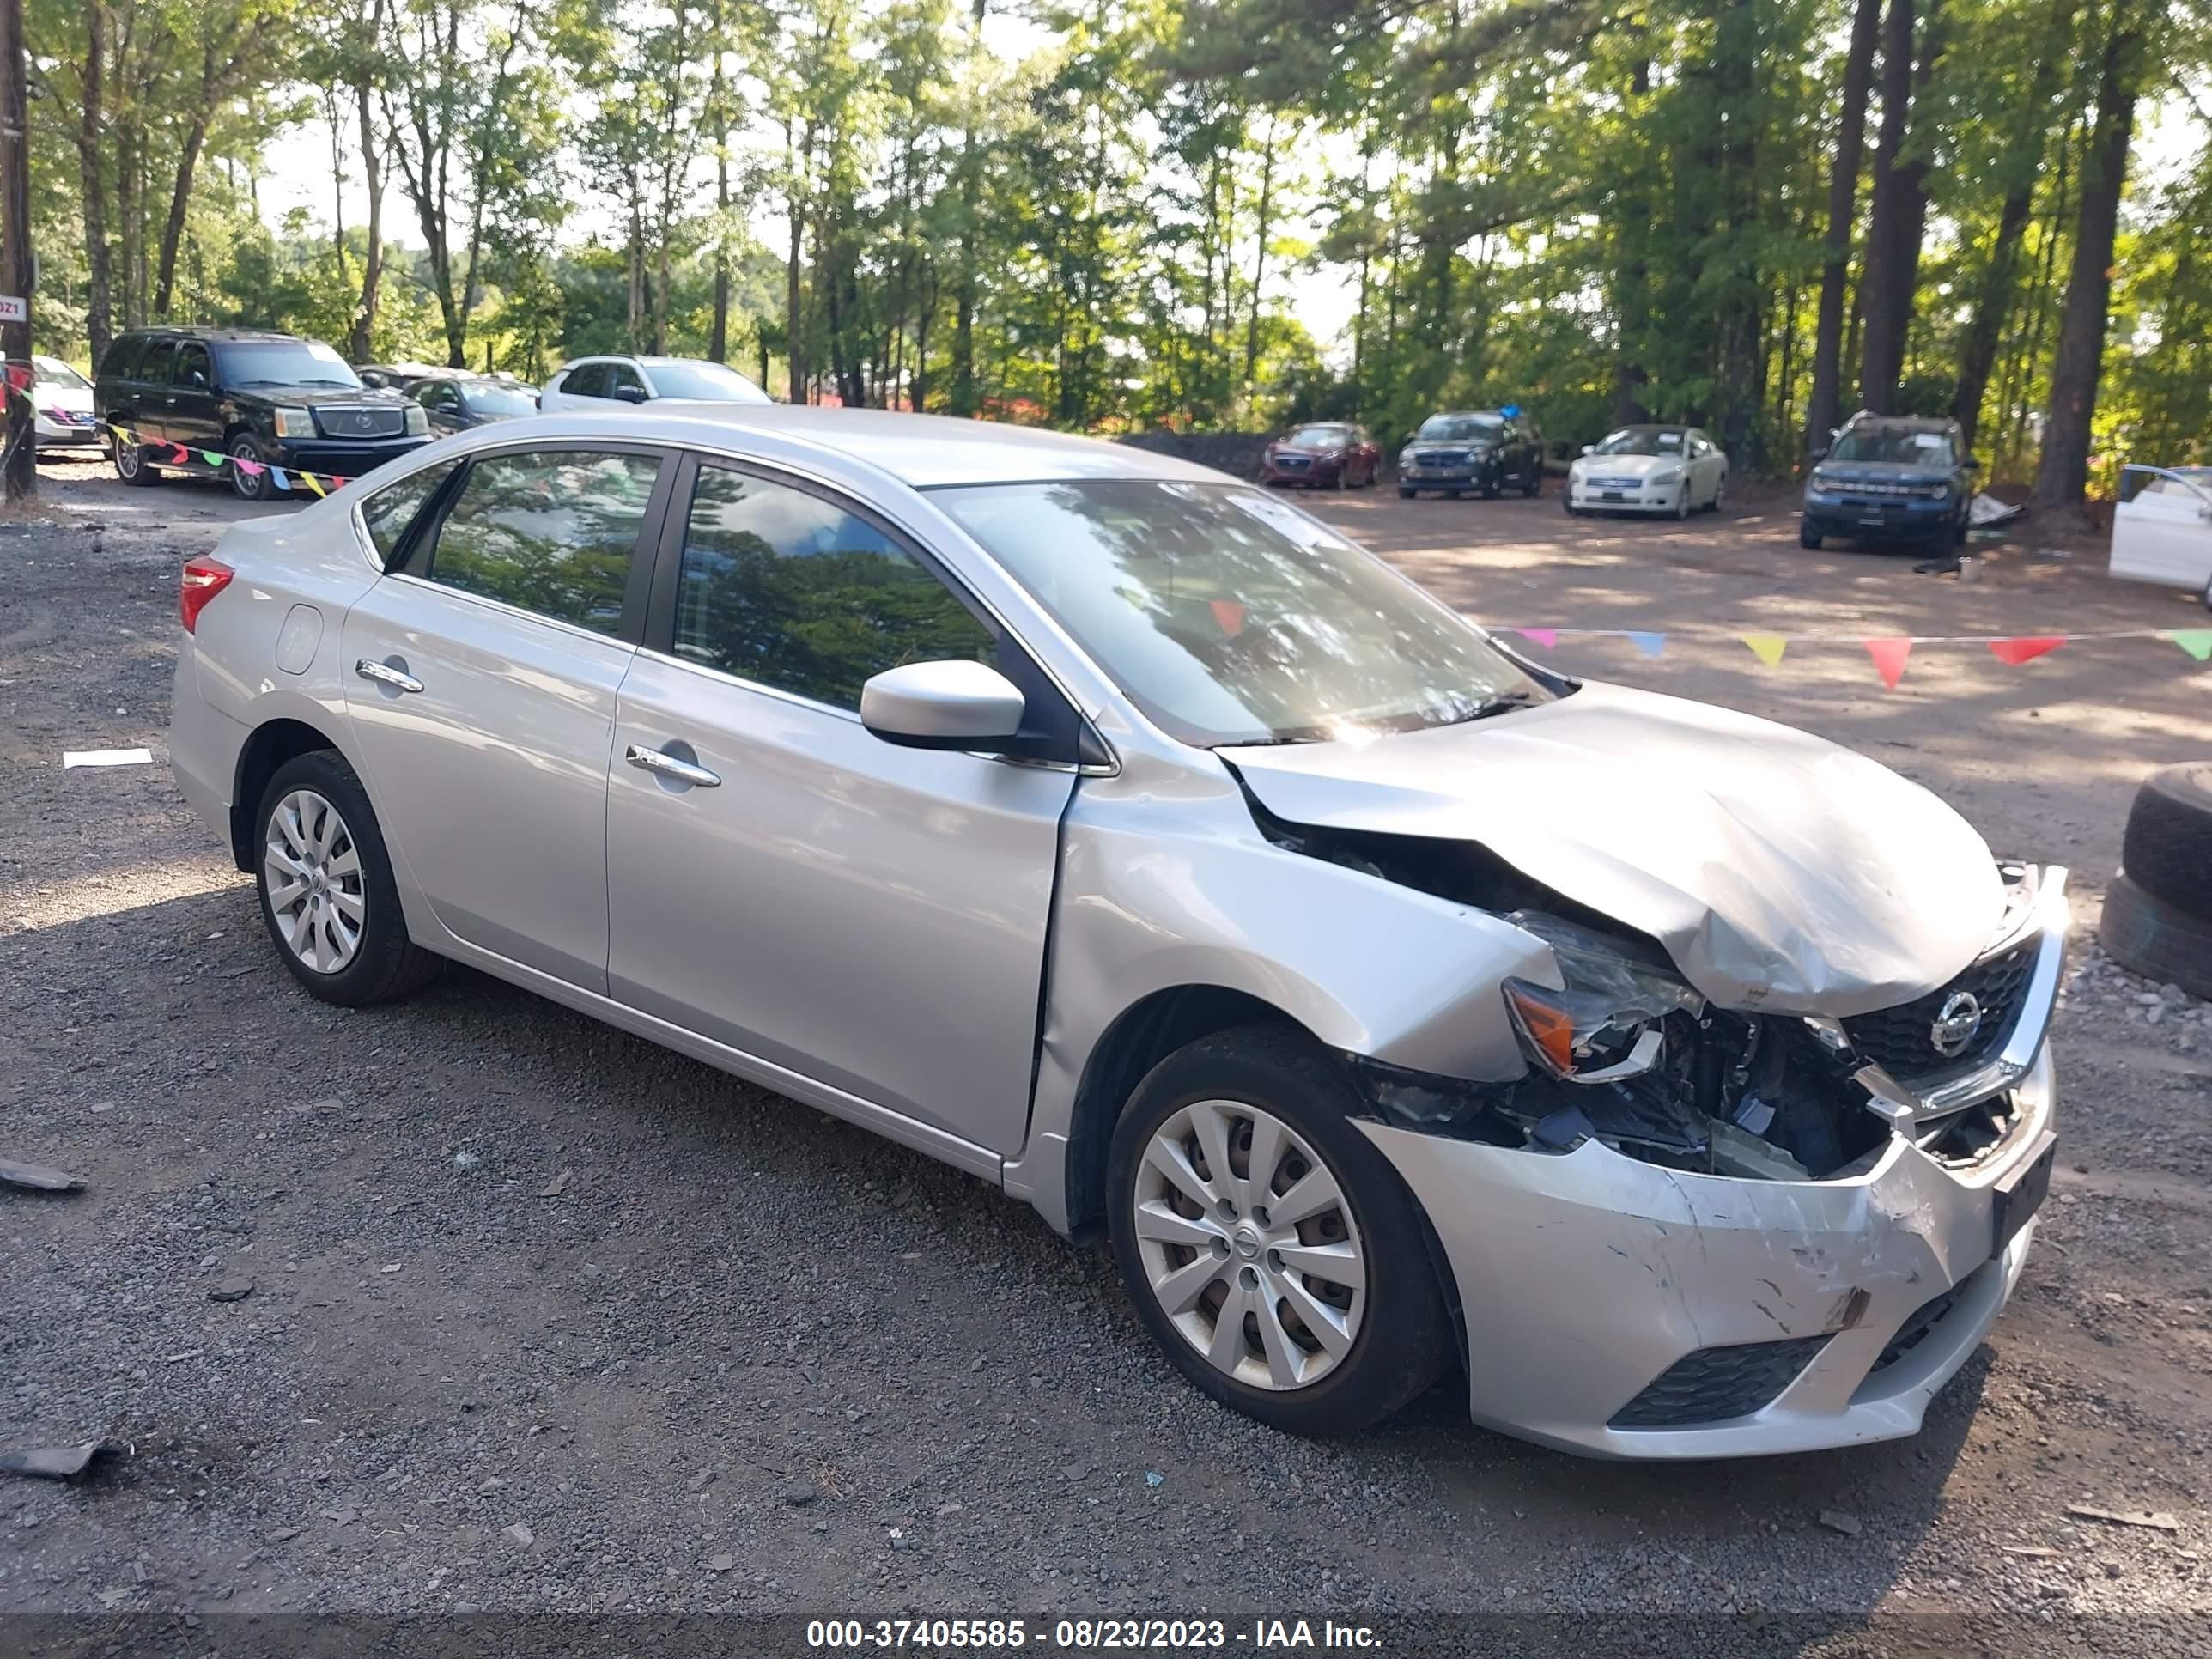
[[203, 747]]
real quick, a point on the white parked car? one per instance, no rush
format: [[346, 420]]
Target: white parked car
[[2162, 528], [1647, 469], [595, 383], [62, 398]]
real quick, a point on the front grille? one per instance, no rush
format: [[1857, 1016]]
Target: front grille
[[1901, 1039], [1440, 458], [1715, 1384], [350, 421], [1915, 1330], [1616, 483], [1294, 462]]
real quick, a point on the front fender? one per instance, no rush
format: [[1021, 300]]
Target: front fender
[[1167, 887]]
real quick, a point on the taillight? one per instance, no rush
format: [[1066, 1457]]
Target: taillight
[[203, 579]]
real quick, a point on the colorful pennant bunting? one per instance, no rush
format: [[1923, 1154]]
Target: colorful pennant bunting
[[2197, 641], [166, 453], [1649, 644], [2012, 653], [1767, 647], [1889, 659], [1546, 637]]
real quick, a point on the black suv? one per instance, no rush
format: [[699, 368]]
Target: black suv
[[263, 398], [1890, 478], [1486, 449]]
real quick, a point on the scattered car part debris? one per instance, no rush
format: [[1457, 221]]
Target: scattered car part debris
[[62, 1462], [38, 1178], [555, 1187], [1985, 511], [2159, 1520], [72, 758]]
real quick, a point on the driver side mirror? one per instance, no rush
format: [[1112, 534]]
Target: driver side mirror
[[1820, 451], [942, 705], [1590, 449], [627, 394], [1973, 464], [198, 380]]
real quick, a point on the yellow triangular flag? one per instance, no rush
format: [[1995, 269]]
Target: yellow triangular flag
[[1767, 647], [312, 483]]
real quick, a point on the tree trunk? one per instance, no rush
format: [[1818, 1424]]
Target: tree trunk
[[1822, 410], [1260, 253], [99, 320], [372, 169], [173, 232], [794, 347], [2062, 473], [718, 333], [1977, 354], [1899, 212]]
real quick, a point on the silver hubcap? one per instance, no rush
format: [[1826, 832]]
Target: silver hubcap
[[1249, 1245], [313, 870]]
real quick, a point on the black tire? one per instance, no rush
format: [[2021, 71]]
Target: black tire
[[1404, 1338], [1406, 494], [2168, 850], [2156, 940], [131, 463], [251, 483], [1534, 483], [1958, 532], [1567, 503], [386, 963], [1495, 486], [1808, 537]]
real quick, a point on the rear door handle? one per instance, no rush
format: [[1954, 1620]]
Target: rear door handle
[[672, 767], [385, 674]]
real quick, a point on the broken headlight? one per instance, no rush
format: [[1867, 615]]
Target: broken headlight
[[1603, 1023]]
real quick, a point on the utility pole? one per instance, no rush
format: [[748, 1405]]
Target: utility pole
[[21, 472]]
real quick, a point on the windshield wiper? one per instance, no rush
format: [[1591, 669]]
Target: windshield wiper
[[1505, 702]]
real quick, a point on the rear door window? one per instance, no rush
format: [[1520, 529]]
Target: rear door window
[[122, 357], [550, 532], [585, 380]]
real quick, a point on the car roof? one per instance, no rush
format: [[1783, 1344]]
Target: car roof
[[925, 452], [1904, 422], [234, 336]]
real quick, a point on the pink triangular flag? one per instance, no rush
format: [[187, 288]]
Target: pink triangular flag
[[2012, 653], [1229, 616], [1546, 637], [1889, 657]]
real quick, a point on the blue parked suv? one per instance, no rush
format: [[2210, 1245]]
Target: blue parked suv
[[1890, 478]]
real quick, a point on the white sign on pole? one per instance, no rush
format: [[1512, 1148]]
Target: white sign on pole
[[14, 309]]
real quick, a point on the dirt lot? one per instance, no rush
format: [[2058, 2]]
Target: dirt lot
[[544, 1319]]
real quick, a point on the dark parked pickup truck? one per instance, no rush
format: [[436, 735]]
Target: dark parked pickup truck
[[261, 399]]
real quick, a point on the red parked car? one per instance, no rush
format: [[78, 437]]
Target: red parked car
[[1328, 455]]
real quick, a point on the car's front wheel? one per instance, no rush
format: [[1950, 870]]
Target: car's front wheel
[[1807, 537], [325, 881], [249, 469], [1269, 1247]]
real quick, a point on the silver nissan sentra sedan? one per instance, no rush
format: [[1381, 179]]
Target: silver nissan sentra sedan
[[1115, 831]]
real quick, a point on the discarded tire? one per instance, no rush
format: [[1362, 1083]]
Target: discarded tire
[[2167, 850], [2157, 940]]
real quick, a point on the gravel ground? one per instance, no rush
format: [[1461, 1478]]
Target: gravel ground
[[471, 1303]]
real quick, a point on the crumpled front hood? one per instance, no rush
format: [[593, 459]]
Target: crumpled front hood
[[1779, 871]]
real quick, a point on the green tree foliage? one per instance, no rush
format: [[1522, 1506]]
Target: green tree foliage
[[1113, 214]]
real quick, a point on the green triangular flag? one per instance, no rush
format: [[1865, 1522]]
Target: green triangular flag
[[210, 458], [2197, 641]]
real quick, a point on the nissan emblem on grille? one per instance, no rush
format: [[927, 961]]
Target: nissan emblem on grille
[[1955, 1025]]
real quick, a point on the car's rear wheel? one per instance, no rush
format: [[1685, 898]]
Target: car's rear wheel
[[131, 463], [1720, 492], [1534, 483], [327, 895], [1270, 1248], [249, 469]]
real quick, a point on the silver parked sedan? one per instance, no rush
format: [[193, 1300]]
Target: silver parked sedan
[[1116, 832]]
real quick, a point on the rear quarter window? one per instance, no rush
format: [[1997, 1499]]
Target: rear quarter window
[[392, 511], [122, 360]]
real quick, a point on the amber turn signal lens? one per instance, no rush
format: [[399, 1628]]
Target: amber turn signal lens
[[1551, 1030]]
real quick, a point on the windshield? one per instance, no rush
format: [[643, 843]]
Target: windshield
[[284, 362], [1460, 428], [1904, 446], [675, 377], [1230, 618], [1319, 437], [495, 397], [52, 371], [1645, 441]]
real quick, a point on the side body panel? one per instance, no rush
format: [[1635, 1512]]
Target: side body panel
[[871, 915], [2163, 536]]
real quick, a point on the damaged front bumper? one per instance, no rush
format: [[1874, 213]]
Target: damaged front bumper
[[1621, 1308]]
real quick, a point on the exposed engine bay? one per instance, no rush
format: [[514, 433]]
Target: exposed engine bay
[[1623, 1051]]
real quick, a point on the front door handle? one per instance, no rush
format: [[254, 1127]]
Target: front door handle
[[385, 674], [672, 767]]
